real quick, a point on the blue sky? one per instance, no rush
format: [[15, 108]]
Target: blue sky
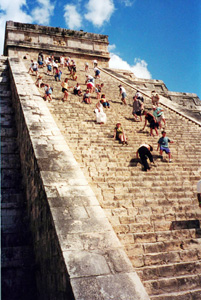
[[158, 39]]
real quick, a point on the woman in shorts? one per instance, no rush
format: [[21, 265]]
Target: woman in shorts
[[152, 123], [65, 88]]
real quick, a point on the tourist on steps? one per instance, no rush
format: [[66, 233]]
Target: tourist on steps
[[87, 97], [48, 91], [65, 88], [33, 67], [144, 152], [155, 98], [199, 192], [77, 90], [57, 75], [159, 115], [101, 117], [122, 93], [119, 134], [152, 123], [97, 73], [163, 145], [139, 96], [104, 101], [138, 107]]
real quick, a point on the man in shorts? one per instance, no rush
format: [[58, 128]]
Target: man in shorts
[[163, 144], [138, 107]]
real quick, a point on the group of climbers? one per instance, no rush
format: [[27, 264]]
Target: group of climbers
[[154, 119]]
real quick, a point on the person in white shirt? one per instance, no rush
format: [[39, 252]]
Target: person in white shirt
[[123, 94]]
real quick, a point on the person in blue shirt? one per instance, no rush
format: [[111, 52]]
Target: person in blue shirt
[[163, 144]]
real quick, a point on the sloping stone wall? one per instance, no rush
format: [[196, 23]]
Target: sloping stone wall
[[77, 252]]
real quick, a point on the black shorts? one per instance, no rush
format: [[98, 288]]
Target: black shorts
[[138, 113], [64, 90]]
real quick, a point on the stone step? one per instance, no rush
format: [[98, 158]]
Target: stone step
[[194, 294], [164, 258], [158, 236], [164, 271], [155, 213], [181, 283]]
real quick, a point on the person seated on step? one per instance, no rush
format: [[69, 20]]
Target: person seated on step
[[73, 75], [101, 117], [72, 66], [104, 101], [159, 115], [163, 145], [138, 107], [144, 152], [199, 192], [119, 134], [155, 98], [87, 97], [152, 123], [98, 89], [77, 90]]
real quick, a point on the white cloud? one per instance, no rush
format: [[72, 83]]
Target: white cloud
[[12, 10], [43, 12], [16, 11], [128, 2], [111, 47], [99, 11], [139, 68], [72, 18]]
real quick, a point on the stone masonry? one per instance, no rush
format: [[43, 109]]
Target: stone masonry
[[75, 246], [17, 259], [155, 214]]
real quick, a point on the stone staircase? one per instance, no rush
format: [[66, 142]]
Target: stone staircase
[[17, 263], [155, 214]]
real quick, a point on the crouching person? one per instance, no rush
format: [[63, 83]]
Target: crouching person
[[144, 152]]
